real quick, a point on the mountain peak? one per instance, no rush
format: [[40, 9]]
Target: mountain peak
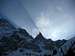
[[40, 37], [23, 31]]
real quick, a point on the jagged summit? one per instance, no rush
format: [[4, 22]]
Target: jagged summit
[[23, 31], [23, 34], [40, 37]]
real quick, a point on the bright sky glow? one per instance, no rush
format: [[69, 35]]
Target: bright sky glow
[[55, 19]]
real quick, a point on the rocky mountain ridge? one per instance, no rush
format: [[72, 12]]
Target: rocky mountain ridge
[[17, 42]]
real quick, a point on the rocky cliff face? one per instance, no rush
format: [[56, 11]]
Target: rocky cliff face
[[18, 42]]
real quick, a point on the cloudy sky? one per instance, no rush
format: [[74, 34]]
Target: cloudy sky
[[55, 19]]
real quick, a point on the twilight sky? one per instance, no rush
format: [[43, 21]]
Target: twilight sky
[[55, 19]]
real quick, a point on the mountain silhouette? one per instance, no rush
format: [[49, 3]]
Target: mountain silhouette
[[18, 42], [40, 37], [6, 27], [22, 33]]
